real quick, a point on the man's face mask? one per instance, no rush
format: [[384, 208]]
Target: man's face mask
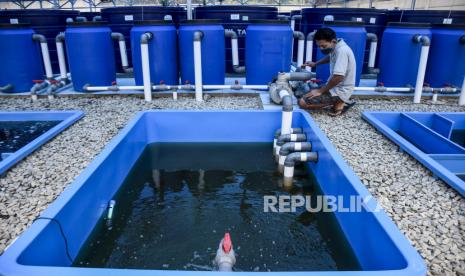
[[326, 47]]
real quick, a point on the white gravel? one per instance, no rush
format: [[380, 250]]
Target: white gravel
[[427, 211], [36, 181]]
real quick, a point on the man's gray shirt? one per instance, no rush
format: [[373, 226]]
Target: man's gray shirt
[[342, 62]]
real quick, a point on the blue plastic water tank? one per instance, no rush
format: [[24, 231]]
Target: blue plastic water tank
[[446, 60], [268, 50], [162, 52], [121, 20], [20, 56], [236, 18], [374, 20], [354, 34], [46, 22], [400, 55], [427, 16], [213, 54], [90, 54]]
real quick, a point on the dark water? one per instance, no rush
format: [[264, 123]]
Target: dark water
[[16, 134], [458, 136], [180, 199]]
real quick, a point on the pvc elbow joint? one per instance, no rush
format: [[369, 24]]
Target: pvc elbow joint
[[128, 69], [230, 33], [239, 69], [198, 35], [298, 35], [117, 36], [287, 148], [60, 37], [310, 36], [145, 37], [298, 137], [424, 40], [287, 103], [6, 88], [293, 130], [39, 38], [372, 36], [81, 19], [296, 157]]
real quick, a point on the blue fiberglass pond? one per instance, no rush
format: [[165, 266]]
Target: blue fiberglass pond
[[23, 132], [377, 244], [437, 140]]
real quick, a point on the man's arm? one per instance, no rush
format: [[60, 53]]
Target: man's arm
[[333, 81], [322, 61], [339, 71], [313, 64]]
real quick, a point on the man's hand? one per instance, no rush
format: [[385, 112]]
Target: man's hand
[[314, 93], [309, 64]]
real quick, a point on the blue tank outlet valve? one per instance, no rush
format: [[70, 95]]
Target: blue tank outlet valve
[[111, 206]]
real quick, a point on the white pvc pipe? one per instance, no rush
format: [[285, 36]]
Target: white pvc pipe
[[178, 87], [146, 71], [61, 60], [288, 172], [462, 93], [309, 52], [372, 56], [387, 89], [300, 52], [46, 59], [189, 9], [286, 120], [282, 158], [217, 87], [105, 88], [235, 52], [435, 97], [221, 86], [198, 70], [122, 51], [292, 24], [421, 74]]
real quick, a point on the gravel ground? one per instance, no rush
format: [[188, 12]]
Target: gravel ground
[[36, 181], [427, 211]]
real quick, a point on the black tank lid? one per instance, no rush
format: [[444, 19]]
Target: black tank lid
[[88, 24], [344, 23], [153, 22], [201, 22], [449, 26], [409, 25], [269, 21], [14, 26], [245, 8]]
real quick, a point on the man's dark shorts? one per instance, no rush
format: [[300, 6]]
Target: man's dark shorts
[[325, 98]]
